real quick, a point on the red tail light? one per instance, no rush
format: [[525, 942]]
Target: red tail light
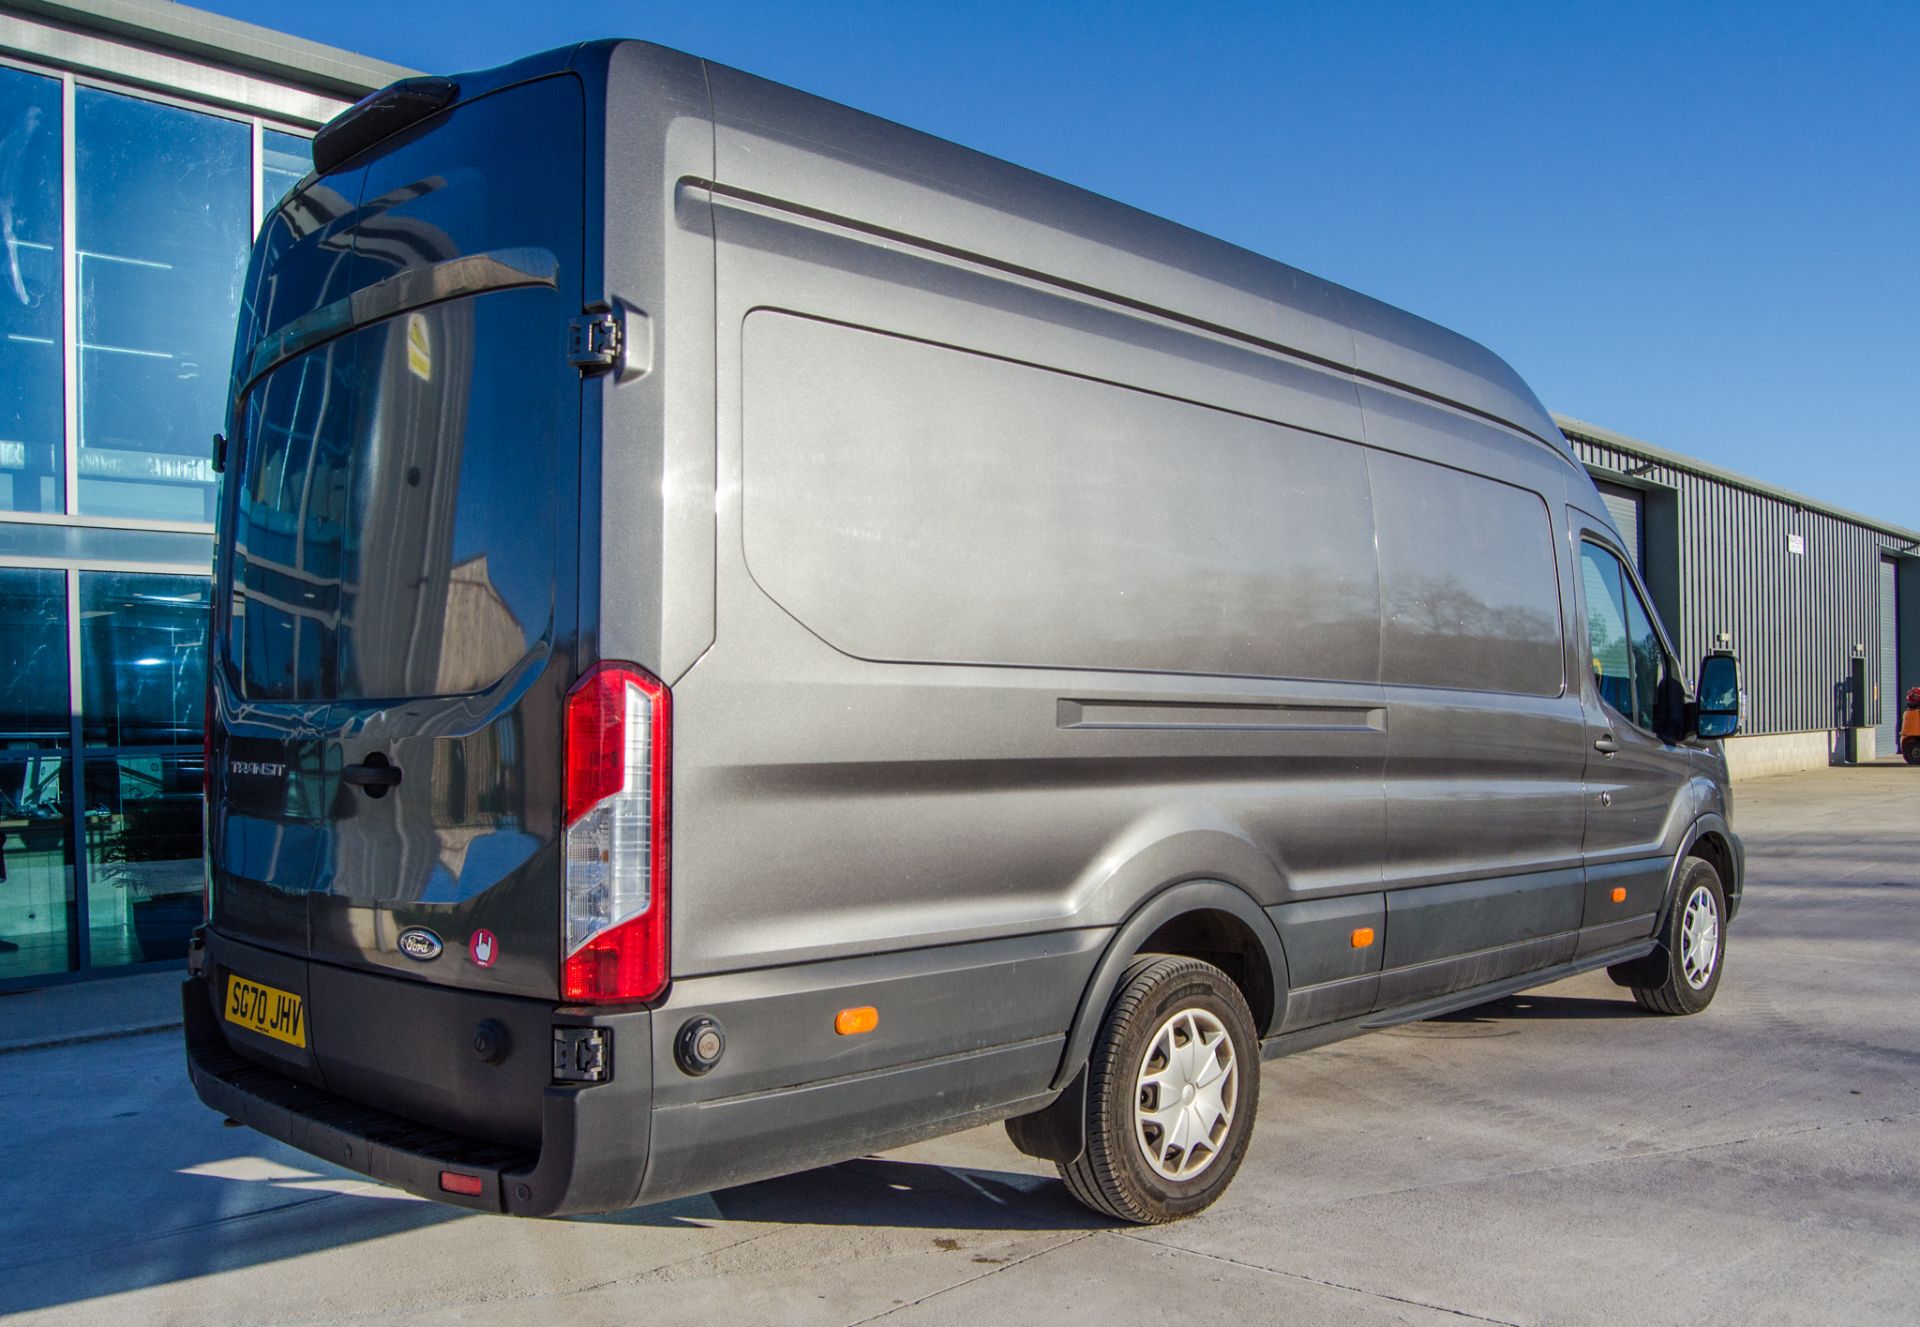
[[618, 728]]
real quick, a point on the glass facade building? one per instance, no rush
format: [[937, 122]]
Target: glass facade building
[[138, 156]]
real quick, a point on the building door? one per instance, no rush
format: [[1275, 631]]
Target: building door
[[1886, 737], [1627, 506]]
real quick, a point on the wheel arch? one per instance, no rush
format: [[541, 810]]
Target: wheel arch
[[1206, 919], [1711, 840], [1197, 918]]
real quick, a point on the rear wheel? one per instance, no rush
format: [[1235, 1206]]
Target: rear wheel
[[1172, 1086], [1910, 750], [1696, 944]]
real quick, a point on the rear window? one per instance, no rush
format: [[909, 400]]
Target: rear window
[[395, 521], [398, 490]]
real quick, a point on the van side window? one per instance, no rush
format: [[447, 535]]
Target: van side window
[[1643, 646], [1622, 642]]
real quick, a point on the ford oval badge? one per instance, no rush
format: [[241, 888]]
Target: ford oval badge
[[417, 942]]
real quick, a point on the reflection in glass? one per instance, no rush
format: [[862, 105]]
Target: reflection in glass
[[1720, 683], [32, 363], [1607, 627], [37, 933], [1643, 644], [144, 868], [143, 657], [394, 515], [303, 259], [33, 643], [284, 160], [162, 212]]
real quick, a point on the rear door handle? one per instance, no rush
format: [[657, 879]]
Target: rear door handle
[[376, 775], [1604, 743]]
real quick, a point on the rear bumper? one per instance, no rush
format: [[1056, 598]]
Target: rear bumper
[[590, 1155], [970, 1034]]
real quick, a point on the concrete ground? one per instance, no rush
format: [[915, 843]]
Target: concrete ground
[[89, 1011], [1553, 1157]]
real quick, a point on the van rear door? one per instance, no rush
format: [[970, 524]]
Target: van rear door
[[396, 602]]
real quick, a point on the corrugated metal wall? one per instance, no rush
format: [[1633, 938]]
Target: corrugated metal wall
[[1795, 619]]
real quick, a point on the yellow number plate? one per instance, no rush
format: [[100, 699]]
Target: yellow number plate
[[267, 1010]]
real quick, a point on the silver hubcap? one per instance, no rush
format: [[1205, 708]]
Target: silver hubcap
[[1699, 937], [1184, 1097]]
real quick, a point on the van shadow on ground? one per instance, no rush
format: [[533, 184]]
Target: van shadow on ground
[[876, 1191], [872, 1192], [1555, 1008]]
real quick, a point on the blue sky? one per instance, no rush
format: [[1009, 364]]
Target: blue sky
[[1695, 223]]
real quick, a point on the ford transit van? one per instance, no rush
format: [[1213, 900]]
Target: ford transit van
[[746, 635]]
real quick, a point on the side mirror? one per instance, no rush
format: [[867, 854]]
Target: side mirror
[[1717, 707]]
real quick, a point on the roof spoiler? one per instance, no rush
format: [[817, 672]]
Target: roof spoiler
[[379, 115]]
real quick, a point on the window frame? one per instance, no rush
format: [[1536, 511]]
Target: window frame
[[1630, 580], [38, 542], [119, 732], [103, 384], [72, 748], [71, 80]]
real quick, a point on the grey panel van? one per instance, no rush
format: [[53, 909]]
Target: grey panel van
[[747, 635]]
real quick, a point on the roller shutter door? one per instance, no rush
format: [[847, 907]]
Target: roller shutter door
[[1624, 505], [1886, 739]]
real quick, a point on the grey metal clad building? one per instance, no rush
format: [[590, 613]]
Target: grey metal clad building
[[140, 143], [1821, 605]]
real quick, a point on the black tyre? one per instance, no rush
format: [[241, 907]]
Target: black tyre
[[1910, 750], [1173, 1084], [1683, 978]]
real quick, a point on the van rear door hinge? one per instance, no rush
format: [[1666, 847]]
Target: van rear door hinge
[[593, 342]]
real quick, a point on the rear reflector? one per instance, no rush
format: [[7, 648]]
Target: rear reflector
[[618, 727], [452, 1181]]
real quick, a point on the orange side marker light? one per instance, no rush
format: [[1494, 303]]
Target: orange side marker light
[[852, 1022], [1619, 894], [1362, 937]]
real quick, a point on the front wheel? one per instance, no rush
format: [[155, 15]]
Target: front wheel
[[1172, 1086], [1910, 750], [1696, 944]]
